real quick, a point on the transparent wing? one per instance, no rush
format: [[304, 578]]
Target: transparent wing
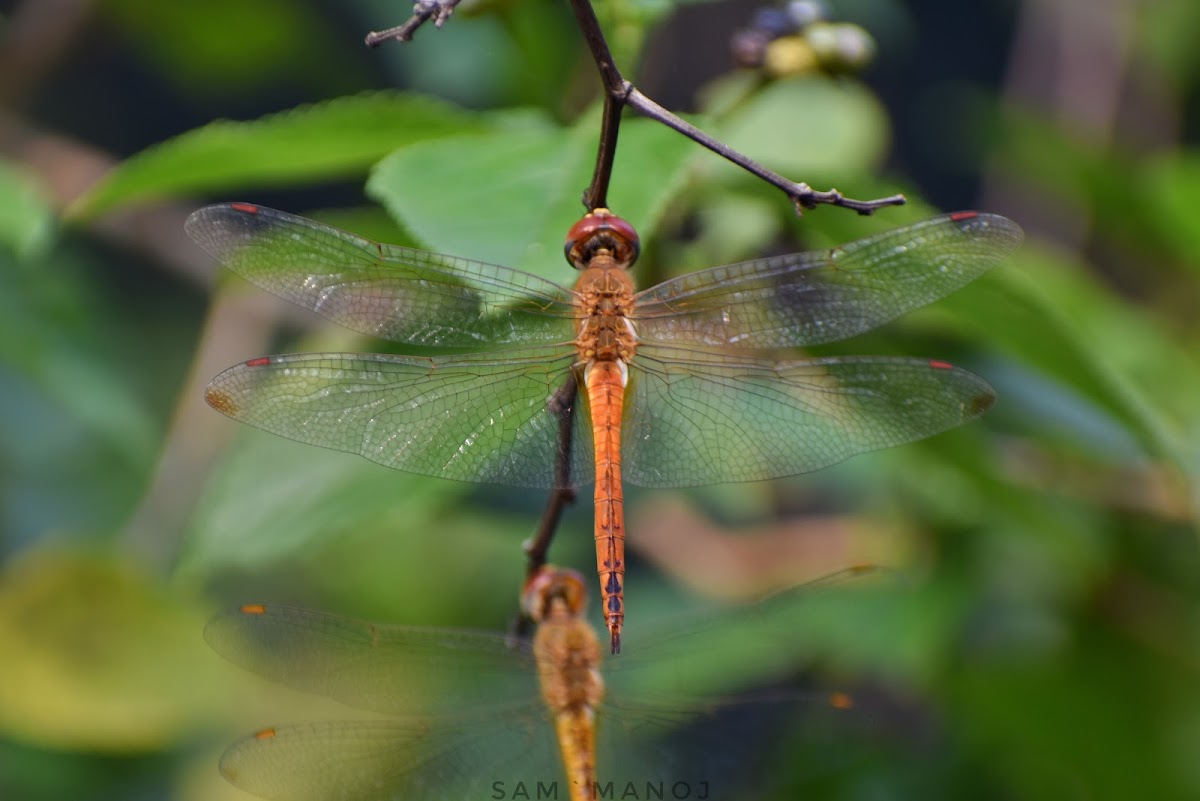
[[707, 698], [726, 748], [824, 296], [468, 418], [387, 291], [718, 651], [434, 759], [402, 670], [713, 750], [696, 418]]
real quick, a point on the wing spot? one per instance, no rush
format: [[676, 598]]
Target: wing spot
[[980, 403], [220, 401]]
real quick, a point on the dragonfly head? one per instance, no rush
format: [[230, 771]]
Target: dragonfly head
[[553, 586], [601, 230]]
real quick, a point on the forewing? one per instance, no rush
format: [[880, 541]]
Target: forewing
[[824, 296], [468, 418], [401, 670], [387, 291], [695, 418]]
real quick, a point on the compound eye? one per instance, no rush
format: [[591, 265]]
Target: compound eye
[[551, 583], [569, 248], [601, 229]]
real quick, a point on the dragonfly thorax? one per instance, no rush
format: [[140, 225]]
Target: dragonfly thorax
[[606, 301]]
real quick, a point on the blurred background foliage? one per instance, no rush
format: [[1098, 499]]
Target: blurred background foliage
[[1042, 634]]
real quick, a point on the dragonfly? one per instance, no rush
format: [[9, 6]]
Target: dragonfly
[[685, 383], [472, 714]]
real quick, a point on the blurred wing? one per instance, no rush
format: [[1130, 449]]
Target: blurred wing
[[720, 650], [400, 670], [711, 749], [386, 291], [435, 759], [707, 699], [748, 747], [824, 296], [468, 418], [695, 418]]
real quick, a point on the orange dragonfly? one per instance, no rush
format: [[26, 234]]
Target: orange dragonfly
[[474, 715], [681, 384]]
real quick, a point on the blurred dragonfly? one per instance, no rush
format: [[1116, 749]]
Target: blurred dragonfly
[[476, 716], [677, 385]]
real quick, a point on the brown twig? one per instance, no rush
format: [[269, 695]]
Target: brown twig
[[423, 11], [562, 404], [620, 93], [801, 194]]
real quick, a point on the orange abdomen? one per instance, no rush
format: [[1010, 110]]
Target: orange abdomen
[[606, 395], [576, 729]]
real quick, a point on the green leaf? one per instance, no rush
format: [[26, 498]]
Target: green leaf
[[510, 196], [26, 220], [334, 139], [1059, 322], [97, 657], [230, 47], [269, 498], [1063, 722], [293, 516], [53, 336], [1172, 190], [805, 127]]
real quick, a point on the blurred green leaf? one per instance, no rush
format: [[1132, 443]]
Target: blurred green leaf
[[53, 336], [1165, 32], [510, 196], [26, 220], [1051, 318], [732, 227], [252, 512], [226, 45], [807, 127], [97, 657], [1172, 190], [1067, 169], [298, 520], [337, 138], [854, 621], [1086, 700]]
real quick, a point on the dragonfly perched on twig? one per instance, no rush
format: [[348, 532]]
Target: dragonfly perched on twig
[[681, 384], [477, 716]]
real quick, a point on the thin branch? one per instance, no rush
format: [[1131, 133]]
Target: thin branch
[[595, 196], [801, 194], [423, 11], [562, 404], [620, 92]]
